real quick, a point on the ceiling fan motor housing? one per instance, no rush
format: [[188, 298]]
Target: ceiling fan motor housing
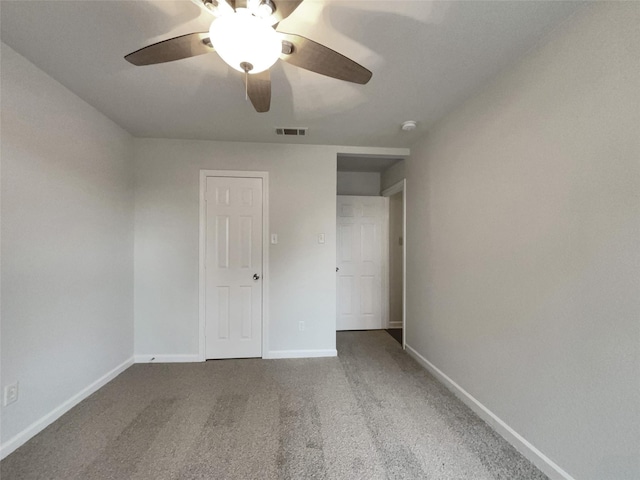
[[262, 8]]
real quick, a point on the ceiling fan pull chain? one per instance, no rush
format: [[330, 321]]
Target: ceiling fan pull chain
[[247, 67]]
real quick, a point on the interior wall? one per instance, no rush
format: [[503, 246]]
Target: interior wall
[[396, 247], [392, 175], [67, 244], [524, 222], [359, 183], [302, 204]]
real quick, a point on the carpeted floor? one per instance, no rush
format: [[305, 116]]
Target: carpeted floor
[[371, 413]]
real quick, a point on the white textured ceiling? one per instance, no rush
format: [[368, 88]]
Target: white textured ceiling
[[426, 57]]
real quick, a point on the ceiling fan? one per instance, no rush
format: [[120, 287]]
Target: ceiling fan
[[244, 34]]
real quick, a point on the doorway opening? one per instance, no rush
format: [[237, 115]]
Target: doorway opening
[[370, 227]]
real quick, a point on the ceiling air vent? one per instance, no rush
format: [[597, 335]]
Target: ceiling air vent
[[295, 132]]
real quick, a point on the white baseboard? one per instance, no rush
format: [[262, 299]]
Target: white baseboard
[[395, 325], [535, 456], [150, 358], [300, 354], [36, 427]]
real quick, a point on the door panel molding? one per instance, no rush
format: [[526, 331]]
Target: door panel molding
[[202, 253]]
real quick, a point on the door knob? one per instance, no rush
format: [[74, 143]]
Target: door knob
[[256, 276], [337, 268]]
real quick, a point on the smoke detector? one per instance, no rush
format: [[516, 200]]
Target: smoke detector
[[409, 125]]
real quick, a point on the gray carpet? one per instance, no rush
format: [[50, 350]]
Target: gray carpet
[[371, 413]]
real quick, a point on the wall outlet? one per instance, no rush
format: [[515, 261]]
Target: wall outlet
[[301, 326], [10, 394], [321, 238], [274, 239]]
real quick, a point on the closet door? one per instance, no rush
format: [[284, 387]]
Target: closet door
[[360, 223]]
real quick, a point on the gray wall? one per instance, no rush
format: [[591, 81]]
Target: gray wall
[[392, 175], [359, 183], [67, 243], [302, 189], [396, 248], [524, 245]]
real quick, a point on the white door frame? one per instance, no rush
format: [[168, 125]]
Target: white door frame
[[401, 186], [265, 253]]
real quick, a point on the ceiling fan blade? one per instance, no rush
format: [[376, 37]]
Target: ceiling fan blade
[[177, 48], [310, 55], [284, 8], [259, 90]]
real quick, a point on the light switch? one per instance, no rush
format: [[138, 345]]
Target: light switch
[[321, 238], [274, 239]]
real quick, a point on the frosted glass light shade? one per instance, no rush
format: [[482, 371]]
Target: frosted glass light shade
[[241, 37]]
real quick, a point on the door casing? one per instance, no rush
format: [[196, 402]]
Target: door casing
[[265, 254]]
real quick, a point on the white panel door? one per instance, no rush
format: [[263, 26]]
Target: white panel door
[[359, 284], [233, 265]]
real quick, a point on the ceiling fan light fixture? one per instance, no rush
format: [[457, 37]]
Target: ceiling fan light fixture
[[217, 7], [247, 40], [261, 8], [242, 38]]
